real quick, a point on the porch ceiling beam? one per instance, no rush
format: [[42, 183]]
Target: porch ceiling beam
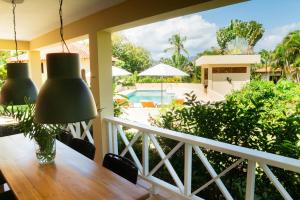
[[10, 45], [129, 14]]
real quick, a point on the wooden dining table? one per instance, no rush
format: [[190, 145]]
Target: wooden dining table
[[71, 176]]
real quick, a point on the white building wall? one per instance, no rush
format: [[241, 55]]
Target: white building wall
[[221, 85]]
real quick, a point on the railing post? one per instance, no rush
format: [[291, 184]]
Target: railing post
[[110, 137], [250, 187], [187, 169], [145, 154], [77, 129], [115, 139]]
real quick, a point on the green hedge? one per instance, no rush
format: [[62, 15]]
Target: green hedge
[[261, 116]]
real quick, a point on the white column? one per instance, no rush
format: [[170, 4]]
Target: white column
[[35, 68], [101, 86]]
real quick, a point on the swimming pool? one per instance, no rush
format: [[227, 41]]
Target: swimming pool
[[150, 95]]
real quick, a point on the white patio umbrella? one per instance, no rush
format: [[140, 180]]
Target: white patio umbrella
[[162, 70], [117, 71]]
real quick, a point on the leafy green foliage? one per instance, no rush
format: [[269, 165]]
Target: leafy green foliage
[[3, 72], [210, 51], [261, 116], [3, 75], [41, 133], [177, 44], [178, 59], [251, 31], [286, 56], [133, 58]]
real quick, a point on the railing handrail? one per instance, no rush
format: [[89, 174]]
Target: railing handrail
[[234, 150]]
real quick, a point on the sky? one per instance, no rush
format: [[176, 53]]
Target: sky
[[278, 17]]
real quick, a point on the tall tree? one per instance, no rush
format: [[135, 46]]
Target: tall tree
[[210, 51], [134, 58], [224, 35], [266, 58], [178, 59], [251, 31], [177, 44], [287, 55]]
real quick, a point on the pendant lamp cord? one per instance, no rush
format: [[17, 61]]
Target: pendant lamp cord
[[63, 42], [15, 32]]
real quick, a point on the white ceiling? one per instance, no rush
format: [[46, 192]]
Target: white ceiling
[[37, 17]]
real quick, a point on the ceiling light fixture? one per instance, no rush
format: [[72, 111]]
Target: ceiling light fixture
[[64, 98], [18, 88]]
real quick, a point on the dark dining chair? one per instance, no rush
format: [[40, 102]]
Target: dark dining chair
[[121, 166], [84, 147], [2, 179], [8, 195], [65, 137]]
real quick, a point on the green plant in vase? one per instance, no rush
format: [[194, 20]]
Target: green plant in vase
[[43, 135]]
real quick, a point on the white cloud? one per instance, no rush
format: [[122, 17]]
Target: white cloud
[[200, 34], [274, 36]]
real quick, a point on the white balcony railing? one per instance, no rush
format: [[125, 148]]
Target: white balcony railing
[[81, 130], [192, 143]]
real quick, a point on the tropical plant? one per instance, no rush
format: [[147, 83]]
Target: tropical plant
[[3, 72], [119, 101], [3, 75], [251, 31], [224, 35], [134, 58], [178, 59], [177, 44], [210, 51], [287, 55], [237, 46], [263, 116], [265, 58], [44, 135]]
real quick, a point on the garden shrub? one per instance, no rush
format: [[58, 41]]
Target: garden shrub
[[263, 116]]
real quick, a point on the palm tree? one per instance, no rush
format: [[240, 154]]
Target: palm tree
[[266, 58], [176, 42], [177, 47], [287, 53]]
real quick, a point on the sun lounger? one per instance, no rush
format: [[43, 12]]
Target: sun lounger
[[123, 102], [179, 101], [148, 104]]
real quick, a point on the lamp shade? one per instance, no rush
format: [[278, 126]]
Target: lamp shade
[[18, 86], [64, 97]]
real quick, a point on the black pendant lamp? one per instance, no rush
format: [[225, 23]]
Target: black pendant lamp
[[18, 88], [64, 98]]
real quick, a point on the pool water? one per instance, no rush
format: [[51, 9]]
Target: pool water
[[150, 95]]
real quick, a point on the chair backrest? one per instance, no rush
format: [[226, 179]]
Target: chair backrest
[[65, 137], [7, 195], [121, 166], [84, 147]]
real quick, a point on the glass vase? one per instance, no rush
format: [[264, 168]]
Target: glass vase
[[45, 149]]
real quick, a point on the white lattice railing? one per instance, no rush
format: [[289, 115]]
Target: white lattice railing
[[192, 143], [81, 130]]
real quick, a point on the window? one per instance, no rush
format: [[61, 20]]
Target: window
[[218, 70]]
